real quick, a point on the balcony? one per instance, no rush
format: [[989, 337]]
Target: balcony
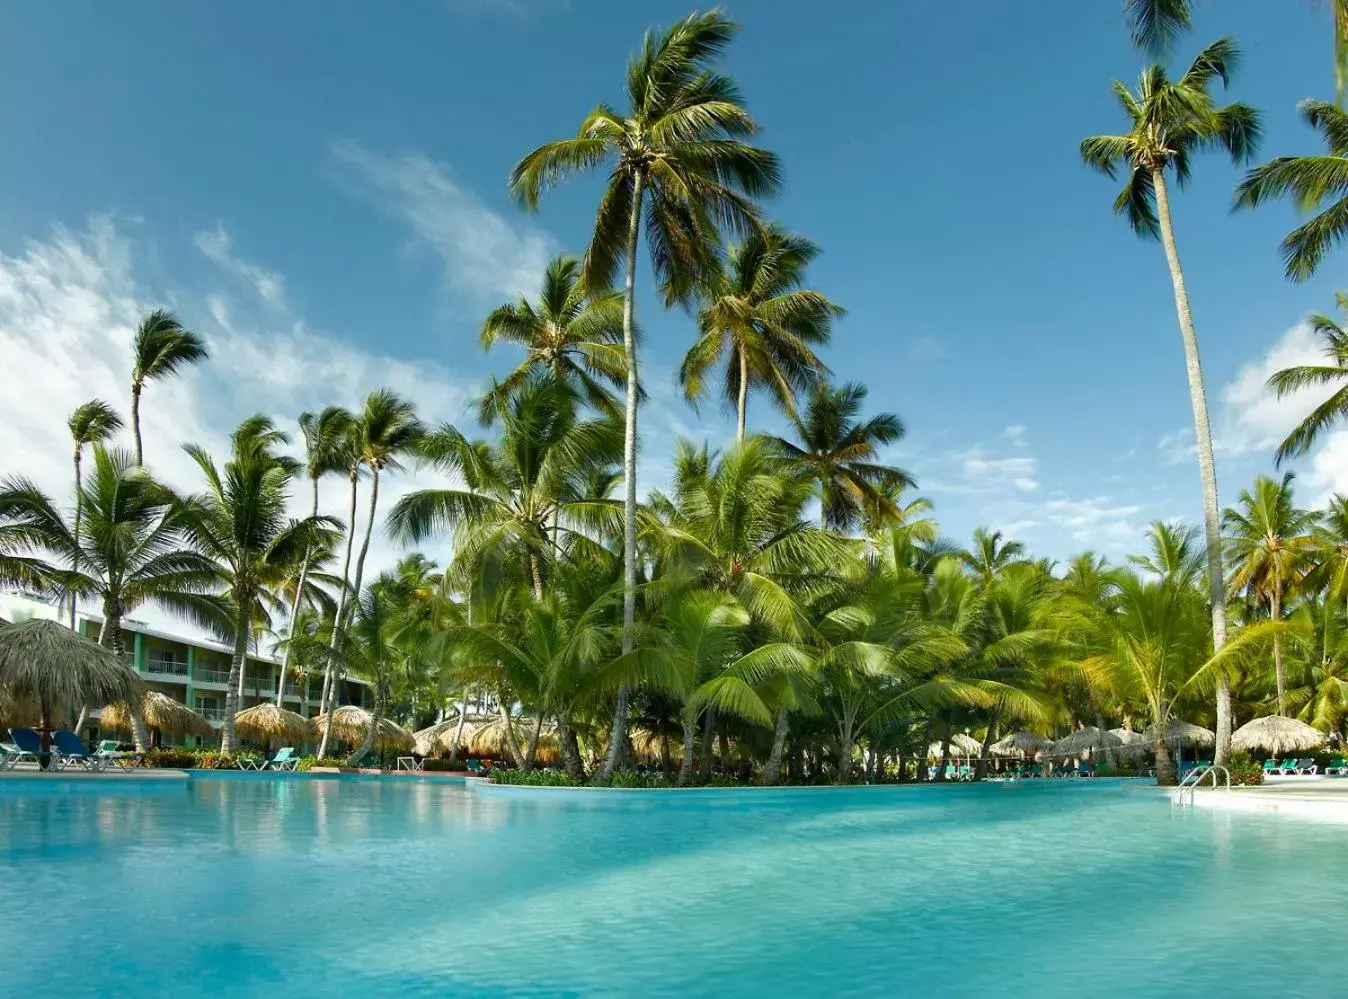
[[161, 666], [211, 677], [213, 715]]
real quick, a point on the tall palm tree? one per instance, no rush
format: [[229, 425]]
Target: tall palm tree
[[94, 422], [680, 162], [1175, 555], [1268, 548], [989, 555], [1334, 346], [130, 549], [1318, 183], [161, 348], [837, 451], [759, 321], [1169, 121], [239, 521], [1155, 24], [571, 334], [324, 435]]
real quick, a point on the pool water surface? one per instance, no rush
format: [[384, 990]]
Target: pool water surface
[[254, 885]]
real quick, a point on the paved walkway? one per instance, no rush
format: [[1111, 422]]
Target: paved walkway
[[1324, 798]]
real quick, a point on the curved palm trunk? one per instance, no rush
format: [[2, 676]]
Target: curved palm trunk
[[981, 767], [135, 421], [325, 703], [1275, 612], [531, 752], [618, 740], [1207, 469], [686, 764], [110, 637], [708, 743], [772, 770], [575, 766], [295, 607], [376, 717], [365, 542], [512, 744], [228, 744], [742, 404], [79, 512], [1165, 766], [458, 731]]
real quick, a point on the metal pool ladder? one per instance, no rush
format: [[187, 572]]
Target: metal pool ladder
[[1184, 793]]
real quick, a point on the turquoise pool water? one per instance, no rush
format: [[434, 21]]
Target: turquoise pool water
[[283, 886]]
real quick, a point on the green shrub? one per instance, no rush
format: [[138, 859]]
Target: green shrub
[[307, 763], [174, 759], [1244, 770], [534, 778], [213, 759], [443, 766]]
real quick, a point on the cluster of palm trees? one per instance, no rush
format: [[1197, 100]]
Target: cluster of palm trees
[[786, 608]]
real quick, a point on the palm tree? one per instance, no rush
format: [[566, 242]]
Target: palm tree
[[240, 523], [162, 347], [1334, 345], [1169, 122], [759, 321], [130, 549], [1155, 24], [1314, 182], [574, 336], [989, 555], [324, 435], [681, 163], [1268, 548], [1175, 555], [837, 452], [95, 422]]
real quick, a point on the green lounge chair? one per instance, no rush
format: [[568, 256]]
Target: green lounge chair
[[474, 767], [1271, 767], [1288, 767], [965, 773], [285, 759], [110, 751], [1338, 767]]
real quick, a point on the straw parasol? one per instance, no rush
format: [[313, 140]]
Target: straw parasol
[[47, 663], [159, 712], [1085, 740], [1128, 737], [1018, 743], [960, 745], [1278, 735], [489, 737], [438, 738], [267, 723], [351, 722], [1185, 732]]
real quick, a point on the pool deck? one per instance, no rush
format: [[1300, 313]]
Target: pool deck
[[30, 772], [1323, 798]]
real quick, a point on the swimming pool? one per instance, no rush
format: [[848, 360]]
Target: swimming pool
[[291, 886]]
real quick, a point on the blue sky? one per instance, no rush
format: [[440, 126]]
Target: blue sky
[[320, 189]]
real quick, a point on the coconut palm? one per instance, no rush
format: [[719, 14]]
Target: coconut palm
[[239, 522], [989, 555], [94, 422], [837, 452], [1318, 183], [1169, 121], [1175, 554], [1334, 346], [162, 347], [131, 548], [758, 320], [572, 335], [1268, 549], [680, 162]]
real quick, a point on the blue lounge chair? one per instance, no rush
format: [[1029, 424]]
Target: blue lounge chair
[[1084, 769], [24, 744], [68, 749]]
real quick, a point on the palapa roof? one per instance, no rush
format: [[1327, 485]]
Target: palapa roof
[[439, 738], [1277, 734], [266, 723], [1177, 730], [1018, 743], [960, 745], [157, 711], [45, 662], [351, 722], [1085, 740]]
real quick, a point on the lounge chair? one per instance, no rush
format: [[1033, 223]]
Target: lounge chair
[[474, 767], [1272, 768], [285, 759], [1338, 767], [1288, 767], [69, 749], [24, 744], [110, 751], [1307, 768], [965, 773], [1084, 769]]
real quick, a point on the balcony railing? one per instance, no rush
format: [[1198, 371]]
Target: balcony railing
[[172, 667], [213, 715], [212, 676]]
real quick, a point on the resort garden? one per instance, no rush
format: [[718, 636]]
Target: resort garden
[[787, 609]]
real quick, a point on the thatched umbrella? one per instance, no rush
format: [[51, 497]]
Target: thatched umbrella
[[48, 663], [489, 737], [1183, 732], [350, 722], [1018, 744], [1128, 737], [1085, 740], [960, 745], [160, 712], [267, 723], [437, 738], [1278, 735]]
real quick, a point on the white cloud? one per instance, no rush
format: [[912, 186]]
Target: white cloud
[[216, 245], [68, 306], [481, 251], [1015, 433], [1098, 520], [994, 473]]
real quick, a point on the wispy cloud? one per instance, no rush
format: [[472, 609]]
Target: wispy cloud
[[217, 245], [482, 252]]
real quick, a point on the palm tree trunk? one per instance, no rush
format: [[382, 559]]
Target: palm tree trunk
[[1207, 468], [708, 743], [1165, 766], [458, 731], [135, 422], [1275, 612], [512, 744], [375, 718], [79, 511], [666, 762], [365, 543], [575, 766], [110, 637], [618, 738], [742, 404], [981, 768], [325, 704], [686, 764], [772, 770], [531, 752], [236, 671], [537, 575], [295, 607]]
